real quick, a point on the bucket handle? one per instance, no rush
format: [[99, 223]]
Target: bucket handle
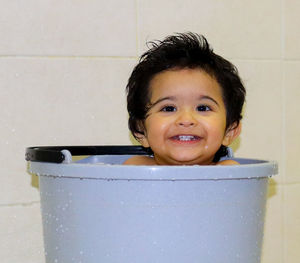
[[55, 154]]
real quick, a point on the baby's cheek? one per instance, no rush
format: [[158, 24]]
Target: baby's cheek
[[216, 138]]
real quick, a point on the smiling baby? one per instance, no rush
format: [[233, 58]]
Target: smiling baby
[[185, 103]]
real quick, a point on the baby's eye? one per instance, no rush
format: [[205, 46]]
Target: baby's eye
[[168, 109], [203, 108]]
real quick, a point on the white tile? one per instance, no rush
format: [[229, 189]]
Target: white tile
[[57, 102], [292, 29], [272, 250], [261, 136], [292, 95], [66, 27], [292, 223], [236, 29], [21, 234]]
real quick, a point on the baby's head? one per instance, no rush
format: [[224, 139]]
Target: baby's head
[[182, 53]]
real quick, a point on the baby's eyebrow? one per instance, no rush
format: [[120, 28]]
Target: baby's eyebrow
[[209, 98], [162, 99]]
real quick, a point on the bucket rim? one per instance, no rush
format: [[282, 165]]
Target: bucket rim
[[255, 170], [51, 161]]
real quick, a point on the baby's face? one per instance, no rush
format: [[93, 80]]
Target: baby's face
[[187, 118]]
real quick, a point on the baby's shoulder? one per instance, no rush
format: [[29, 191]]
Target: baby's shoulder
[[140, 160]]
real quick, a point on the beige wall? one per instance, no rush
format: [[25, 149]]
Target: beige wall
[[63, 68]]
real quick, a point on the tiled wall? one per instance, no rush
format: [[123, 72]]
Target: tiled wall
[[63, 68]]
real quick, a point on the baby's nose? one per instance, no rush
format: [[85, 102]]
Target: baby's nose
[[186, 119]]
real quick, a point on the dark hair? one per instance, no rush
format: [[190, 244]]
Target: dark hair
[[187, 50]]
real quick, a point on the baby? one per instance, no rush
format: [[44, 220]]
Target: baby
[[184, 102]]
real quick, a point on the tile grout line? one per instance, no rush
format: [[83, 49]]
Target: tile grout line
[[132, 57], [19, 204], [283, 135], [283, 152], [64, 57], [137, 27]]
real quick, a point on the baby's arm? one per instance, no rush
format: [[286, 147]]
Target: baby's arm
[[228, 162], [140, 160]]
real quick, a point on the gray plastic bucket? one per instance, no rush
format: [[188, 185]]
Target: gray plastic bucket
[[97, 210]]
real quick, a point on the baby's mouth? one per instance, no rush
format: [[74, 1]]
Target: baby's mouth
[[185, 138]]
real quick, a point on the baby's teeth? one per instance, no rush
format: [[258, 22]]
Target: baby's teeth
[[186, 137]]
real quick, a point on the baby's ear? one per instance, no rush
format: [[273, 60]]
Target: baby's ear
[[232, 133], [142, 139], [141, 136]]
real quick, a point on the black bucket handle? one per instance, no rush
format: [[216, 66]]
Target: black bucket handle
[[53, 154]]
